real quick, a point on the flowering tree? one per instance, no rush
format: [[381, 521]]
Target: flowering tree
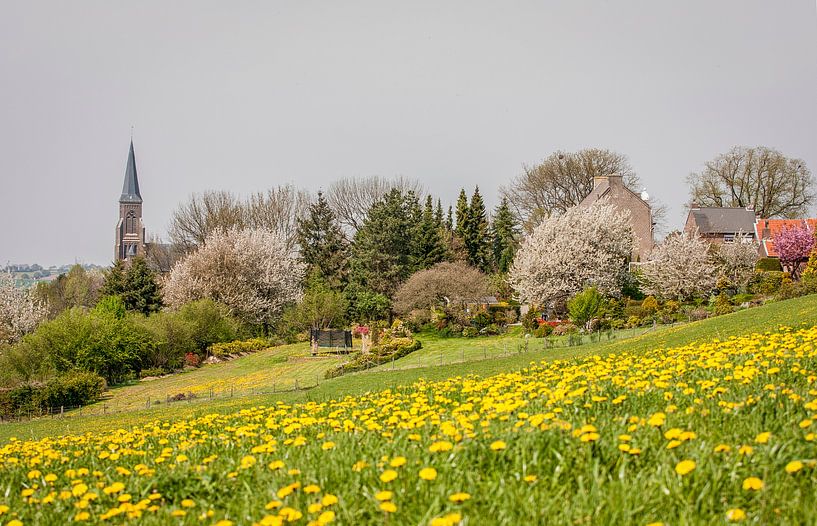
[[20, 311], [567, 253], [251, 271], [738, 259], [793, 247], [679, 268]]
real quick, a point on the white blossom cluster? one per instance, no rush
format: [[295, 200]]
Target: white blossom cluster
[[680, 268], [20, 311], [581, 248], [251, 271]]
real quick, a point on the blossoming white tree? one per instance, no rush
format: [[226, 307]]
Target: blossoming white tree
[[680, 268], [567, 253], [738, 259], [20, 311], [251, 271]]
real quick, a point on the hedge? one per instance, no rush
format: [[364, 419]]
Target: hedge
[[221, 350], [387, 350], [72, 389]]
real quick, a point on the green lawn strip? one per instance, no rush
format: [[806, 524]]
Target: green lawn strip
[[795, 313]]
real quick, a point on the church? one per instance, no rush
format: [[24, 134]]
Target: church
[[130, 231]]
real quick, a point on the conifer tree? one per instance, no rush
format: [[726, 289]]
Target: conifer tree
[[383, 250], [475, 234], [504, 236], [324, 248], [438, 215], [141, 291], [462, 214], [449, 221], [114, 284], [430, 246]]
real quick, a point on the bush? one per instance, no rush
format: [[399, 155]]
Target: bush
[[723, 305], [481, 320], [530, 321], [156, 371], [769, 265], [766, 282], [543, 331], [388, 349], [584, 306], [470, 332], [650, 305], [698, 314], [222, 350], [740, 299], [565, 328], [74, 388]]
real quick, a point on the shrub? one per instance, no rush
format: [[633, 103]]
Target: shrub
[[698, 314], [71, 389], [221, 350], [565, 328], [766, 282], [740, 299], [584, 306], [650, 305], [470, 332], [156, 371], [192, 360], [723, 305], [388, 349], [633, 321], [769, 264], [543, 331], [530, 321]]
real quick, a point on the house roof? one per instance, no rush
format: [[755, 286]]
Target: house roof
[[130, 188], [767, 229], [714, 220]]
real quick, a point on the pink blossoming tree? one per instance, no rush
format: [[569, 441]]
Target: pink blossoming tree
[[794, 245]]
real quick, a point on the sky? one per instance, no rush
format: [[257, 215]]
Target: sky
[[246, 95]]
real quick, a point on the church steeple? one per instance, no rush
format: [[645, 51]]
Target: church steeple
[[130, 188], [130, 231]]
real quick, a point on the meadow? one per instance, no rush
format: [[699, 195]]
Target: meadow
[[648, 431]]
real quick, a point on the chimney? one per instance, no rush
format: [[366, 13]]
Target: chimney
[[598, 179]]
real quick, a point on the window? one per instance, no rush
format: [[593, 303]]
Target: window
[[729, 238]]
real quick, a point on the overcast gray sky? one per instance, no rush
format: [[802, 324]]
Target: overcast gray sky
[[247, 95]]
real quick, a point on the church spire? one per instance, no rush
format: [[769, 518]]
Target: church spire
[[130, 188]]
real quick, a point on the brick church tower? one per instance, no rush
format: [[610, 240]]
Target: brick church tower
[[130, 231]]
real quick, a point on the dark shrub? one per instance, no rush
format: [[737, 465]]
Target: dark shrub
[[769, 264], [73, 388]]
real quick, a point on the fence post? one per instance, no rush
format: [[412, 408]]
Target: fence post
[[62, 411], [231, 391], [392, 362], [104, 409], [296, 385], [147, 404]]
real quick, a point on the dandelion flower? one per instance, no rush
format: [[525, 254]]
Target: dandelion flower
[[752, 484], [428, 473], [684, 467], [388, 475], [459, 498], [794, 466]]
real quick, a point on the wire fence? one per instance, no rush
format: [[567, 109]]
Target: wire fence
[[284, 386]]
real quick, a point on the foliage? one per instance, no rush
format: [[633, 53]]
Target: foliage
[[504, 237], [584, 306], [474, 233], [760, 178], [72, 389], [77, 288], [565, 329], [320, 308], [768, 282], [650, 305], [451, 286], [794, 245], [430, 247], [366, 305], [323, 246], [234, 348], [383, 248], [562, 181], [20, 310], [249, 271], [136, 284], [584, 247], [769, 264], [679, 268], [723, 305]]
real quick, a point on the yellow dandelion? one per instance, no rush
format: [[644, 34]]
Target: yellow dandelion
[[428, 473], [685, 467]]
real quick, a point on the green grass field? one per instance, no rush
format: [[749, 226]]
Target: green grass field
[[711, 422], [283, 365]]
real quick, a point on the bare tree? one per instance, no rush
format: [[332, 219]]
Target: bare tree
[[447, 285], [561, 181], [761, 178], [203, 214], [351, 198], [276, 210]]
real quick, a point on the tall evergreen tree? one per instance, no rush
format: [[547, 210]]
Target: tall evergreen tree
[[449, 221], [475, 234], [114, 284], [324, 247], [141, 291], [383, 248], [462, 214], [430, 248], [504, 236], [438, 215]]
